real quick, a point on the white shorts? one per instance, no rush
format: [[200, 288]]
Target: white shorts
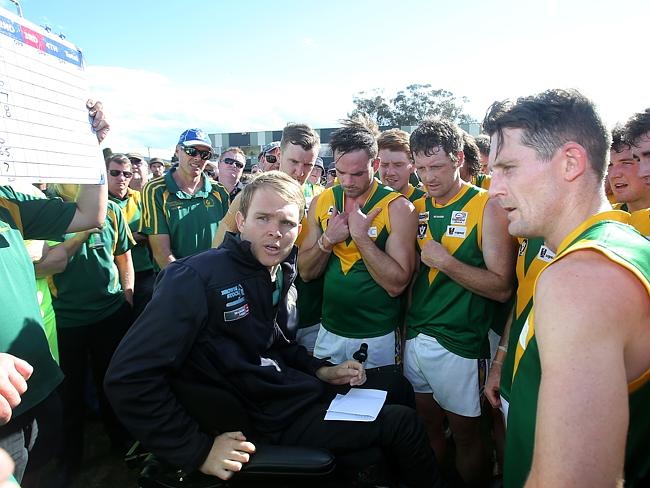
[[381, 350], [306, 337], [453, 380]]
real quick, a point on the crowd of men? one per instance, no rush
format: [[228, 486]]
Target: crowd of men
[[471, 268]]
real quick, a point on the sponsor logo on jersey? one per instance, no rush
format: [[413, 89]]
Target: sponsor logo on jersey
[[545, 254], [372, 232], [523, 246], [423, 216], [458, 217], [422, 230], [456, 231]]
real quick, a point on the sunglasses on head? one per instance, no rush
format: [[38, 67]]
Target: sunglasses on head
[[118, 172], [192, 152], [271, 159], [231, 161]]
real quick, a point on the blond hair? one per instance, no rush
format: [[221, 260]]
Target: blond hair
[[282, 184]]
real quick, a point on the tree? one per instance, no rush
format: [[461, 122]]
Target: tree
[[411, 106]]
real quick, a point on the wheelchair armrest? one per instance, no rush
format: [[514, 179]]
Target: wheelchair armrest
[[270, 460]]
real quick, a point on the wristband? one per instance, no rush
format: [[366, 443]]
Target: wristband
[[502, 348], [321, 246], [496, 361]]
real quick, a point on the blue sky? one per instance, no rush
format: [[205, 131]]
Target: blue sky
[[161, 67]]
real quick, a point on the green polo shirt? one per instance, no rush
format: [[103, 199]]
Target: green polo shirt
[[89, 289], [21, 325], [191, 221], [131, 205]]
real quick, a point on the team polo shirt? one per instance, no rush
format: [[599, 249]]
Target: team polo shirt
[[354, 305], [414, 193], [89, 289], [441, 307], [191, 221], [21, 325], [532, 258], [607, 234], [482, 181], [131, 206]]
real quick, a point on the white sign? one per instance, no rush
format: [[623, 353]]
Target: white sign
[[45, 134]]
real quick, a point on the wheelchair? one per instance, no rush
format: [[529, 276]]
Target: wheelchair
[[270, 466]]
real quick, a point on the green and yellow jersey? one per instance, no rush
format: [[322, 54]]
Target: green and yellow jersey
[[482, 181], [131, 206], [440, 307], [191, 221], [640, 220], [607, 234], [21, 325], [532, 258], [89, 289], [414, 193], [354, 305]]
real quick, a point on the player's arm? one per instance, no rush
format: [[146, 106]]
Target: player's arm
[[124, 264], [58, 256], [228, 223], [92, 199], [584, 342], [312, 257], [496, 281], [392, 269], [493, 382]]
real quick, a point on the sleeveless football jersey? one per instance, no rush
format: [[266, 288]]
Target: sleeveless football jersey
[[354, 305], [440, 307], [607, 234]]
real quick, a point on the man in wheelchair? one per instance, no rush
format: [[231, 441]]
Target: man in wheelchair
[[218, 328]]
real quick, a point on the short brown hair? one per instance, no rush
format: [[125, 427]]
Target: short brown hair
[[301, 135], [118, 158], [282, 184], [395, 140], [233, 149]]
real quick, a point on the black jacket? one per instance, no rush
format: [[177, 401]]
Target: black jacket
[[211, 321]]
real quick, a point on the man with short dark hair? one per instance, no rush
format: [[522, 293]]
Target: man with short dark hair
[[119, 176], [235, 336], [359, 238], [466, 268], [156, 167], [182, 210], [637, 132], [580, 392], [230, 168]]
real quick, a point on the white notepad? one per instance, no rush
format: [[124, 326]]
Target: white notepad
[[358, 405]]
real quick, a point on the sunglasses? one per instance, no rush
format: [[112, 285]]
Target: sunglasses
[[192, 152], [117, 172], [271, 159], [231, 161], [331, 172]]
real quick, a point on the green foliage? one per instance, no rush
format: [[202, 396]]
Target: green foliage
[[410, 106]]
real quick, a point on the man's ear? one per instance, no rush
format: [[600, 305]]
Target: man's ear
[[461, 159], [239, 218], [574, 160], [375, 164]]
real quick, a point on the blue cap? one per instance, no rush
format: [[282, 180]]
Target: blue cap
[[270, 146], [194, 137]]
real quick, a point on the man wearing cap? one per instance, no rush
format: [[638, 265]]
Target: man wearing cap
[[269, 158], [156, 167], [317, 172], [231, 167], [182, 210], [140, 171]]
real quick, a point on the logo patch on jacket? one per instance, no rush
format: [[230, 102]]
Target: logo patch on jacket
[[235, 297]]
